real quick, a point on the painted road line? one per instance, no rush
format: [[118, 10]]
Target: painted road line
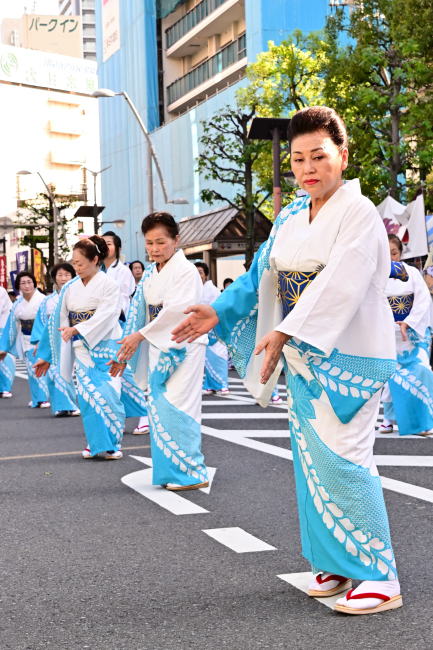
[[406, 488], [238, 540], [224, 402], [238, 439], [404, 461], [63, 453], [210, 471], [301, 582]]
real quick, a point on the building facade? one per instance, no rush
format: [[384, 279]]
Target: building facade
[[86, 10], [179, 63], [50, 125]]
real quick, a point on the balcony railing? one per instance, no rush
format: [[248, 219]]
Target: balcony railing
[[223, 59], [190, 20]]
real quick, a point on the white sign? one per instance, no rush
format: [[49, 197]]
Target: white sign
[[46, 70], [110, 28]]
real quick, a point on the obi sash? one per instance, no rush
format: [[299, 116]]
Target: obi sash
[[401, 306], [27, 326], [154, 311], [77, 317], [291, 284]]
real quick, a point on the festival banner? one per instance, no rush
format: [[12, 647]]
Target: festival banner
[[37, 268], [3, 272], [13, 275], [22, 261]]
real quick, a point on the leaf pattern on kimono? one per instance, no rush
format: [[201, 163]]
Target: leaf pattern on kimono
[[371, 551]]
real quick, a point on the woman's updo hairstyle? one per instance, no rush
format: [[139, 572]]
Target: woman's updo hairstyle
[[318, 118], [160, 219], [396, 240], [92, 247]]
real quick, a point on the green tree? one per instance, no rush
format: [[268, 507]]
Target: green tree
[[40, 233], [227, 159], [381, 83]]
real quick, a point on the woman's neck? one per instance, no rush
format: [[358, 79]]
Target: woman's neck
[[86, 280], [29, 296], [109, 261], [160, 265], [318, 202]]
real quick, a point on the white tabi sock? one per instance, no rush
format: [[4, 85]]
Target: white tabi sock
[[143, 422], [326, 586]]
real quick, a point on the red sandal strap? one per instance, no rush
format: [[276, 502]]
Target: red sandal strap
[[366, 595], [321, 580]]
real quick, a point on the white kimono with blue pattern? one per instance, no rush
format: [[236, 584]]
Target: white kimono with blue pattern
[[99, 303], [341, 353], [216, 376], [7, 366], [62, 392], [408, 396], [173, 372], [17, 342]]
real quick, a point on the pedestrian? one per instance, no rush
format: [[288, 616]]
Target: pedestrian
[[7, 366], [84, 329], [132, 396], [315, 296], [408, 396], [216, 378], [62, 393], [17, 333], [137, 270], [12, 295], [174, 372], [118, 271], [227, 282]]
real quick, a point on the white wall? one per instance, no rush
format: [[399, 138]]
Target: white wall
[[229, 267]]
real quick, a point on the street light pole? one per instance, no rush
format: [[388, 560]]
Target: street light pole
[[95, 204], [103, 92]]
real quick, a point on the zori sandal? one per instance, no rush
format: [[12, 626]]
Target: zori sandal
[[328, 584], [373, 606]]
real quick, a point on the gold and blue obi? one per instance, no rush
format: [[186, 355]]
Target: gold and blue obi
[[401, 306], [154, 311], [77, 317], [291, 284], [27, 325]]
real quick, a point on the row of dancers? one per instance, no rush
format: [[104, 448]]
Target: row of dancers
[[322, 300]]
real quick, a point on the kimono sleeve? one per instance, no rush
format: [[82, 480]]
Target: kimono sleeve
[[328, 304], [105, 317], [127, 287], [418, 318], [185, 289], [5, 344], [39, 324], [238, 300]]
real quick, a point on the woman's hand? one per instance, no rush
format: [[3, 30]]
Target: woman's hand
[[35, 349], [273, 344], [41, 368], [129, 345], [68, 333], [2, 355], [203, 318], [116, 368], [403, 327]]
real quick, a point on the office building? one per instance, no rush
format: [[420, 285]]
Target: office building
[[86, 10]]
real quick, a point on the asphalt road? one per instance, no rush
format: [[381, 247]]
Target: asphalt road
[[88, 562]]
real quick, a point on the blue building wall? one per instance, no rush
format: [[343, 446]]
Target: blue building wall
[[134, 69]]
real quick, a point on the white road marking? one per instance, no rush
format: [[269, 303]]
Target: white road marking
[[406, 488], [404, 461], [244, 416], [238, 540], [301, 582]]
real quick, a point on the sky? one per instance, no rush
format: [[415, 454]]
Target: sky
[[15, 8]]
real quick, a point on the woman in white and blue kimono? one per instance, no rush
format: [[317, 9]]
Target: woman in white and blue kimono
[[84, 328], [62, 393], [7, 366], [173, 373], [408, 395], [216, 371], [133, 398], [16, 335], [314, 300]]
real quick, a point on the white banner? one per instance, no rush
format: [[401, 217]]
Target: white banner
[[408, 222], [110, 28], [46, 70]]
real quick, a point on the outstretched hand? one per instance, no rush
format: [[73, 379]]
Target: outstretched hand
[[41, 368], [203, 318], [129, 345], [273, 344], [2, 355], [116, 368], [68, 333]]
